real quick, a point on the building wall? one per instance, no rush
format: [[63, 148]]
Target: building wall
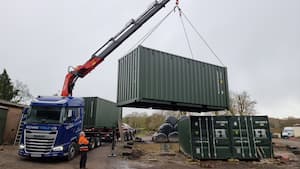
[[14, 115], [296, 131]]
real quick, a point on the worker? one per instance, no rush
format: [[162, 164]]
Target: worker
[[84, 148]]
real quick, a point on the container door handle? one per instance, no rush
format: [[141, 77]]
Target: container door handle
[[241, 137]]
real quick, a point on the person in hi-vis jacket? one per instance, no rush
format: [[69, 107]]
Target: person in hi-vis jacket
[[84, 148]]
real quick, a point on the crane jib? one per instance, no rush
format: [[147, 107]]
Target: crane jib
[[108, 47], [132, 26]]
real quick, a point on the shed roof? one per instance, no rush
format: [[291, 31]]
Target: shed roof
[[2, 107], [5, 103]]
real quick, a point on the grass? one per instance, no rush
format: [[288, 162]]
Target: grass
[[142, 132]]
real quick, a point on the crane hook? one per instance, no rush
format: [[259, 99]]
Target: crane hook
[[177, 7]]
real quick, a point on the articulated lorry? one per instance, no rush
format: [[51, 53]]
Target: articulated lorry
[[53, 124]]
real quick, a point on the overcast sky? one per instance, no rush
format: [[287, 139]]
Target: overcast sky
[[258, 40]]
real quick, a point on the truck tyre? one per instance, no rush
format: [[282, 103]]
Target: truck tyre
[[72, 151]]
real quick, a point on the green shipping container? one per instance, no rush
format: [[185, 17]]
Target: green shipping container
[[3, 115], [225, 137], [100, 113], [150, 78]]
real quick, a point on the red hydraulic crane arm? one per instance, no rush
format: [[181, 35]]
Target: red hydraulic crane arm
[[82, 70], [79, 71]]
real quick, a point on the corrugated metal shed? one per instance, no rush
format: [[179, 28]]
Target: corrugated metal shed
[[100, 113], [225, 137], [151, 78]]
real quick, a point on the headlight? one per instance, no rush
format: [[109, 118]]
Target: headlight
[[58, 148], [21, 146]]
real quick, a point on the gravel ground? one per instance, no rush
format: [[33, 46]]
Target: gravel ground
[[290, 142], [148, 157], [178, 161], [97, 158]]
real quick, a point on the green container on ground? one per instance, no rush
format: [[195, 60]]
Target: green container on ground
[[3, 115], [100, 113], [225, 137], [149, 78]]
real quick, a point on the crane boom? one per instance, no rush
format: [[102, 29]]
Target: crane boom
[[134, 24]]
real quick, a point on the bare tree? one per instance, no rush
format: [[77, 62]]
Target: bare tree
[[241, 104], [23, 95]]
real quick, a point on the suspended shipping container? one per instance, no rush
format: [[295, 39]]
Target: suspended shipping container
[[150, 78], [100, 113], [225, 137]]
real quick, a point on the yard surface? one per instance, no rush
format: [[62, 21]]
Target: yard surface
[[149, 156]]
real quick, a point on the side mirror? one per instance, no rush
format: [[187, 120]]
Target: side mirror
[[70, 113], [69, 117], [24, 114]]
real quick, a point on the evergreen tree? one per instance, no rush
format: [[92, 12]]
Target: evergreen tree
[[7, 91]]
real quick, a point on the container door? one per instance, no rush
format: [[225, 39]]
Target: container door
[[201, 137], [184, 131], [90, 108], [241, 141], [3, 115], [261, 137], [221, 146]]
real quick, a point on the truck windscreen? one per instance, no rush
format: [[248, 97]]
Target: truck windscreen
[[45, 114]]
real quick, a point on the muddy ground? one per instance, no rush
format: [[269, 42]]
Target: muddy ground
[[149, 156], [97, 158]]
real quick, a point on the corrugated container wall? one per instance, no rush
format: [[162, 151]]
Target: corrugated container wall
[[151, 78], [3, 115], [100, 113], [225, 137]]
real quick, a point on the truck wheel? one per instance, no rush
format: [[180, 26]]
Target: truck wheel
[[71, 151]]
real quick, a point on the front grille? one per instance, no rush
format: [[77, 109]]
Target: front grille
[[39, 141]]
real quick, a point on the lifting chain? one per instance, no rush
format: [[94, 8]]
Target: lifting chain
[[177, 7]]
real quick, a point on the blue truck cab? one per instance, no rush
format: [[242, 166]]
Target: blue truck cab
[[52, 126]]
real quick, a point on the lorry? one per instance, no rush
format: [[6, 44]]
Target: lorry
[[288, 132], [52, 124]]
